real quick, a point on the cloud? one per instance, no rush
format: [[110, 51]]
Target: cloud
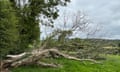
[[104, 12]]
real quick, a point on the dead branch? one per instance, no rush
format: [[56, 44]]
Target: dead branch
[[33, 57]]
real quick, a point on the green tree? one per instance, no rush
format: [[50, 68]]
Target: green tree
[[8, 28], [32, 14]]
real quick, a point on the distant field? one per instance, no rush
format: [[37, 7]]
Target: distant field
[[112, 64]]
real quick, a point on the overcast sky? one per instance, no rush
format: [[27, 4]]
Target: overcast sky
[[104, 12]]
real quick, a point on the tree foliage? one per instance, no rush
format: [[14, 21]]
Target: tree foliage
[[8, 28], [20, 22], [32, 14]]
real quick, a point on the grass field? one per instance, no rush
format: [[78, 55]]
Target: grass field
[[112, 64]]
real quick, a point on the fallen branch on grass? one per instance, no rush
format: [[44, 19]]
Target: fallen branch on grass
[[34, 57]]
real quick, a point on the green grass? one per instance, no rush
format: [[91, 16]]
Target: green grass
[[112, 64]]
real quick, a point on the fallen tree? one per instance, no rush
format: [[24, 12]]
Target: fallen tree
[[34, 56]]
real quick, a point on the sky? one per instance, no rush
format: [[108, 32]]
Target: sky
[[103, 12]]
